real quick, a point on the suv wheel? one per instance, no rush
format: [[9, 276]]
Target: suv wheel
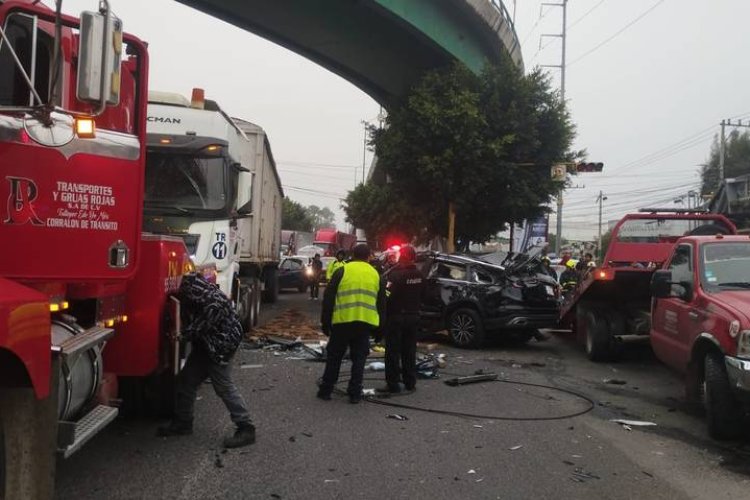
[[723, 412], [465, 328]]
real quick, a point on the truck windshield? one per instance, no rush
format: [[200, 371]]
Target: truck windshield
[[185, 183], [660, 230], [725, 266]]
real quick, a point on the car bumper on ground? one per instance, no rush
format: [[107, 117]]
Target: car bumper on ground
[[738, 371]]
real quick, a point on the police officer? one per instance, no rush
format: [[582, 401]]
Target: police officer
[[404, 288], [339, 262], [352, 310]]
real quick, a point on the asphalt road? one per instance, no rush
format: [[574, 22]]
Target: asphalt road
[[313, 449]]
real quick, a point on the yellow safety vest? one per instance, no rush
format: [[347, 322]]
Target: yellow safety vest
[[332, 268], [357, 295]]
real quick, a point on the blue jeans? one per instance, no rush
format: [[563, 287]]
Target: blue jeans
[[197, 368]]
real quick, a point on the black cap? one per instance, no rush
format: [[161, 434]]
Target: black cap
[[361, 252]]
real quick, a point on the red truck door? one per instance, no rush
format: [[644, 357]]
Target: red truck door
[[676, 320]]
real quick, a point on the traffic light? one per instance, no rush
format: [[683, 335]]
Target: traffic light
[[589, 167]]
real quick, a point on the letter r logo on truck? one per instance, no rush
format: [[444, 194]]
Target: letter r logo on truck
[[20, 209]]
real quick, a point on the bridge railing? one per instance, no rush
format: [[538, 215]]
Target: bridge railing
[[513, 45]]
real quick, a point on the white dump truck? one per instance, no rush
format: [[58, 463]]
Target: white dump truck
[[212, 180]]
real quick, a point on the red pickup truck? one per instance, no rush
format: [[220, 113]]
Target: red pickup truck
[[700, 325]]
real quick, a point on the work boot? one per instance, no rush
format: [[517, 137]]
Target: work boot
[[175, 428], [355, 398], [243, 436], [324, 395], [389, 389], [410, 389]]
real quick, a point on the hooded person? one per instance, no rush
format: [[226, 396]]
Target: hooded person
[[211, 323]]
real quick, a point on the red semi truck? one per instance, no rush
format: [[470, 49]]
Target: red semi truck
[[331, 241], [76, 272]]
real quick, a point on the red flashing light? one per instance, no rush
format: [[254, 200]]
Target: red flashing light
[[396, 248]]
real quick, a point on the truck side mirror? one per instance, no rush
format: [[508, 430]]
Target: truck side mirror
[[661, 284], [99, 57]]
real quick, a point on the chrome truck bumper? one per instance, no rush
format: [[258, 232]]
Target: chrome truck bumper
[[738, 371]]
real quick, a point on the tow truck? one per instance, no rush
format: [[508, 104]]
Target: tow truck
[[76, 272], [611, 305]]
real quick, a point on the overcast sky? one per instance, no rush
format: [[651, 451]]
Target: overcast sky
[[646, 103]]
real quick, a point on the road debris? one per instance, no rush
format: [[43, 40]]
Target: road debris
[[633, 423], [429, 364], [517, 447], [375, 366], [581, 476], [248, 367], [471, 379], [614, 381], [396, 416], [292, 324], [471, 471]]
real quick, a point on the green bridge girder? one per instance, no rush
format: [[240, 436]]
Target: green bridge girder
[[381, 46]]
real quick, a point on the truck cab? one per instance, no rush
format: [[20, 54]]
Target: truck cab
[[700, 324]]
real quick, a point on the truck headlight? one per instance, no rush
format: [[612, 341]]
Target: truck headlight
[[743, 344]]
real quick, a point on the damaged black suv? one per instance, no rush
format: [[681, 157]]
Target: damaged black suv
[[472, 298]]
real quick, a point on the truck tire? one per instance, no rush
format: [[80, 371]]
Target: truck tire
[[245, 306], [723, 411], [617, 326], [598, 336], [466, 329], [256, 302], [28, 444], [271, 294], [147, 397]]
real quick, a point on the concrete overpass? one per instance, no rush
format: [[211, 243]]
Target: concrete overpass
[[381, 46]]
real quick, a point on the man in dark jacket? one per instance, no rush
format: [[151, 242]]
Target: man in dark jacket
[[317, 268], [212, 325], [353, 309], [404, 287]]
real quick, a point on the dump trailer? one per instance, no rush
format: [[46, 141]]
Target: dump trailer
[[611, 304], [76, 272], [212, 182], [261, 237]]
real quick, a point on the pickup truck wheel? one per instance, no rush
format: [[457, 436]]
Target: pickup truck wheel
[[598, 336], [465, 328], [723, 412]]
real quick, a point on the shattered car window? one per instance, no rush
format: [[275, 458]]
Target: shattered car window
[[481, 276], [448, 271]]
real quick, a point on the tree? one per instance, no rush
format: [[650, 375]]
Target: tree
[[294, 216], [321, 217], [736, 161], [481, 143]]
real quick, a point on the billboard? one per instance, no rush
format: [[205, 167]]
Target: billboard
[[530, 233]]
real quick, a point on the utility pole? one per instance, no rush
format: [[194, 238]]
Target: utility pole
[[561, 66], [364, 149], [600, 199]]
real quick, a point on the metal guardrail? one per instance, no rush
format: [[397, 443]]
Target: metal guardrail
[[516, 45]]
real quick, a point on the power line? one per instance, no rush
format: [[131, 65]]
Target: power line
[[606, 41], [592, 9]]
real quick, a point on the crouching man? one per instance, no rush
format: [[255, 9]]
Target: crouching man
[[212, 325]]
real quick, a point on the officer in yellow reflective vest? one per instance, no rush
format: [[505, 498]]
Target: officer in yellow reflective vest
[[353, 309], [336, 264]]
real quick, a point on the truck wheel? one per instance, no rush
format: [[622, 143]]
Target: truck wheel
[[466, 329], [723, 412], [28, 444], [598, 336], [245, 307], [272, 287], [256, 302], [616, 323]]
